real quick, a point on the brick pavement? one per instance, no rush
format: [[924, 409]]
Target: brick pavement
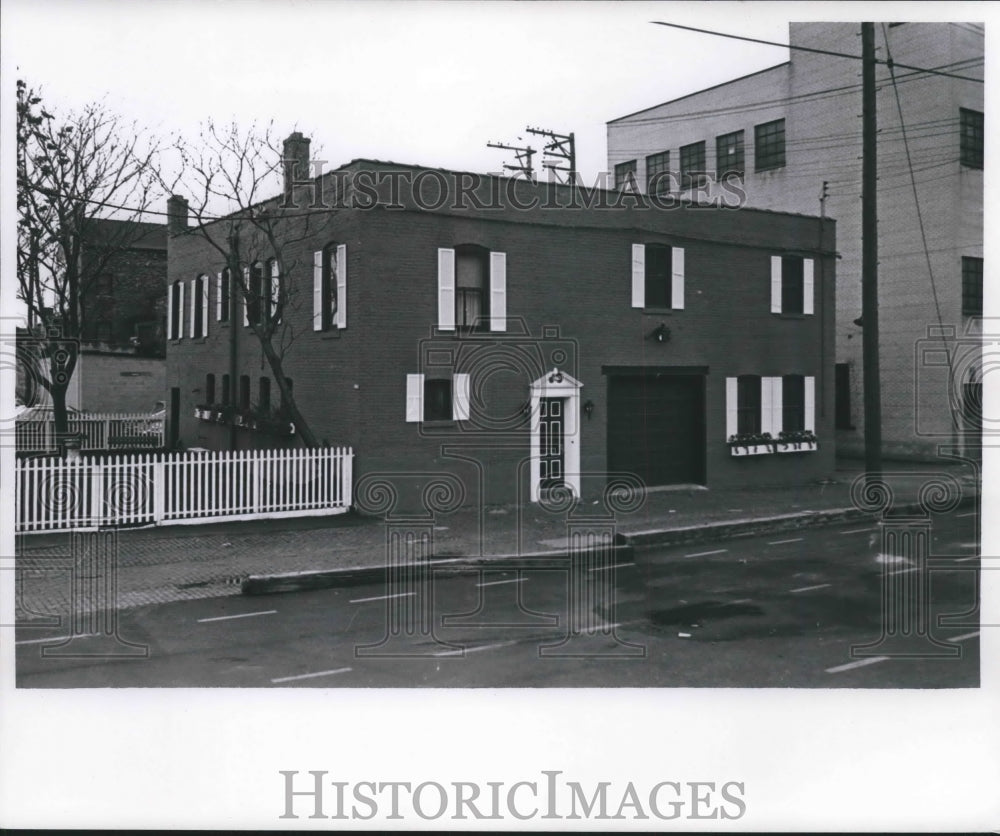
[[188, 562]]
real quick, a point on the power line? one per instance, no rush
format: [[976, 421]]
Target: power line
[[888, 63]]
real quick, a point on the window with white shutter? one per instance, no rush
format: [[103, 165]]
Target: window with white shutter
[[446, 289], [171, 312], [195, 300], [810, 404], [461, 398], [414, 397], [180, 310], [792, 285], [498, 292], [275, 295], [771, 418], [204, 305], [657, 276], [341, 298], [218, 296], [807, 286], [245, 290], [732, 407], [318, 290]]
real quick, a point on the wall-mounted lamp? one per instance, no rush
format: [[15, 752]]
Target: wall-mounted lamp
[[588, 409], [661, 333]]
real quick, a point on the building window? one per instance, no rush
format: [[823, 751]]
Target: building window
[[657, 276], [792, 284], [658, 173], [226, 392], [769, 145], [328, 287], [625, 174], [972, 286], [972, 138], [729, 155], [842, 396], [264, 395], [437, 400], [748, 404], [198, 289], [176, 315], [224, 293], [692, 165], [793, 403], [472, 288], [472, 271], [244, 402], [209, 388], [255, 293]]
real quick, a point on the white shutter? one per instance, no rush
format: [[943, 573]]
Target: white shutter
[[342, 286], [638, 275], [218, 297], [775, 284], [498, 291], [180, 310], [275, 287], [446, 289], [414, 397], [318, 290], [243, 295], [204, 305], [807, 285], [810, 404], [732, 404], [766, 405], [170, 313], [460, 400], [777, 407], [677, 278], [194, 305]]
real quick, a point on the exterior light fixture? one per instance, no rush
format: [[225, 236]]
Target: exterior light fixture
[[588, 408], [660, 334]]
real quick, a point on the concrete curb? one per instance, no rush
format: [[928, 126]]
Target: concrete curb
[[625, 547]]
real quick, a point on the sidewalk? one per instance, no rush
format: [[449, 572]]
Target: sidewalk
[[159, 565]]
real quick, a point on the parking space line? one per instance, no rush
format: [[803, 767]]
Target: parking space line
[[964, 636], [857, 531], [309, 675], [497, 583], [240, 615], [809, 588], [381, 597], [706, 554], [782, 542], [609, 568], [859, 664]]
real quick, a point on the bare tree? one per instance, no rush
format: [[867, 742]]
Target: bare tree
[[226, 175], [73, 173]]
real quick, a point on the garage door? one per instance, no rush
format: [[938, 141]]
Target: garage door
[[656, 427]]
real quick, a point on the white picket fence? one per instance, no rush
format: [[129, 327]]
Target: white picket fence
[[179, 488], [36, 431]]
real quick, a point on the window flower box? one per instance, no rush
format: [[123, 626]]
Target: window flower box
[[797, 441], [751, 444]]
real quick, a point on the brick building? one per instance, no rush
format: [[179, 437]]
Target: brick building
[[773, 138], [520, 336]]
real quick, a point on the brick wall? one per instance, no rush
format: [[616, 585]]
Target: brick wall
[[120, 382]]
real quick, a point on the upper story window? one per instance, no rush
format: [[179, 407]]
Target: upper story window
[[199, 306], [625, 174], [223, 291], [792, 284], [175, 311], [658, 173], [729, 155], [692, 165], [657, 276], [271, 293], [971, 138], [472, 289], [330, 287], [972, 286], [769, 145], [254, 294]]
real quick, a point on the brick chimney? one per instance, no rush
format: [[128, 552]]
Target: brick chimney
[[296, 159], [177, 214]]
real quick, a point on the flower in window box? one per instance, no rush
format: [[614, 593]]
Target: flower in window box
[[749, 444], [791, 440]]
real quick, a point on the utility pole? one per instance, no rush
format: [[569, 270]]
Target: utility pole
[[523, 156], [561, 147], [869, 257]]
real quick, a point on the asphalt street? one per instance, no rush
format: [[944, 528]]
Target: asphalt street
[[770, 611]]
